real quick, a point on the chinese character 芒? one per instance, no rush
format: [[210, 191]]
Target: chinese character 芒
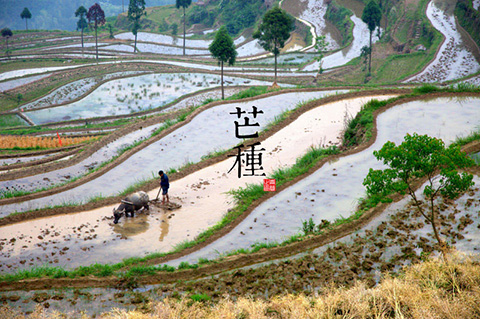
[[246, 123], [251, 160]]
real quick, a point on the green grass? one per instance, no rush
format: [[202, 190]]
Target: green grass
[[11, 120], [37, 129], [461, 141], [399, 66]]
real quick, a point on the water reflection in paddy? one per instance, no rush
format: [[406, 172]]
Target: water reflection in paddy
[[209, 131], [129, 95], [333, 190]]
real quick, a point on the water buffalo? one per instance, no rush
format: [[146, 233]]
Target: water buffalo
[[130, 204]]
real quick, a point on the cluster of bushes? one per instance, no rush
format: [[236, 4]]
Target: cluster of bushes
[[238, 15], [200, 14]]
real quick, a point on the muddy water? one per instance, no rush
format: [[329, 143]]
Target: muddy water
[[333, 190], [16, 160], [454, 60], [134, 94], [174, 150]]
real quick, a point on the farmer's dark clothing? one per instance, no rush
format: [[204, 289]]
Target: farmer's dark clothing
[[164, 184]]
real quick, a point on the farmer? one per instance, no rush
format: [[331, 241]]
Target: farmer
[[164, 184]]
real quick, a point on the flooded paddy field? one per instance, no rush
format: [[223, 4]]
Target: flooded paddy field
[[49, 179], [199, 192], [314, 11], [8, 85], [454, 59], [360, 38], [134, 94], [282, 215], [178, 148], [73, 90]]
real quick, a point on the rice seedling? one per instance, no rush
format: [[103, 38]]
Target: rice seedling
[[36, 142]]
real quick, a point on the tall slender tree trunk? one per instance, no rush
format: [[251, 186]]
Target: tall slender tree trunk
[[26, 24], [370, 55], [184, 26], [223, 95], [275, 68], [135, 46], [96, 41], [82, 38]]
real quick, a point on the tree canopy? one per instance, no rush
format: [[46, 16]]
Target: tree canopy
[[96, 15], [274, 31], [26, 14], [184, 4], [136, 9], [371, 16], [420, 156], [6, 33], [223, 49], [82, 22]]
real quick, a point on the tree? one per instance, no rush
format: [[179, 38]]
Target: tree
[[174, 29], [97, 16], [321, 47], [136, 9], [184, 4], [371, 16], [7, 33], [26, 15], [110, 30], [421, 156], [274, 31], [223, 49], [82, 22]]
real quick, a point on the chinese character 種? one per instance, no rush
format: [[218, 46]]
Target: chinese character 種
[[251, 160]]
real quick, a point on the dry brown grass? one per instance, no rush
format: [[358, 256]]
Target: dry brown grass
[[36, 141], [428, 290]]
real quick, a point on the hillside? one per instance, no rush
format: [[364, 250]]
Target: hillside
[[236, 15], [60, 14]]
